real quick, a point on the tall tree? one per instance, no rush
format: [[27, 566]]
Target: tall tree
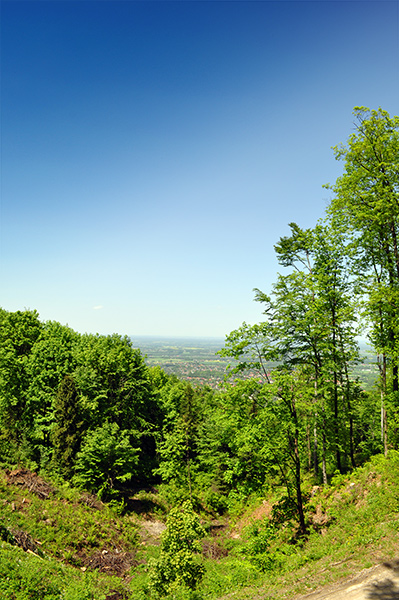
[[313, 318], [178, 448], [51, 359], [309, 328], [67, 430], [366, 201], [115, 386]]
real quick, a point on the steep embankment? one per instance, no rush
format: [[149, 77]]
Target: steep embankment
[[75, 547], [351, 550], [58, 542]]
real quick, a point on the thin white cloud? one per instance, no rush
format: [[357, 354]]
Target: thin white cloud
[[99, 307]]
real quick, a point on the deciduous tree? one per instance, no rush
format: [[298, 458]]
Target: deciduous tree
[[366, 202]]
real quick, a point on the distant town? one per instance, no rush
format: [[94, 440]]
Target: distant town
[[195, 360], [190, 359]]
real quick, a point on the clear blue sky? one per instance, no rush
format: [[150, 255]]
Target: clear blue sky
[[154, 152]]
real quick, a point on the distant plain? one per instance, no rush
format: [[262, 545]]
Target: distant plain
[[195, 359]]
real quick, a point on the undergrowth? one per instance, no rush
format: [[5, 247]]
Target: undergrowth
[[68, 538], [27, 577], [64, 526], [352, 524]]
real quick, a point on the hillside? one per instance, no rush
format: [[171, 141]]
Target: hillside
[[61, 543]]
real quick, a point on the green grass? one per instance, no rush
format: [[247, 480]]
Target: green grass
[[353, 524], [65, 535], [361, 529], [27, 577], [63, 525]]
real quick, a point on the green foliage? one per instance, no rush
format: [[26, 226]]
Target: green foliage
[[178, 447], [115, 386], [366, 206], [260, 547], [250, 346], [51, 359], [114, 378], [58, 387], [19, 332], [108, 457], [309, 329], [68, 426], [232, 439], [26, 577], [177, 566]]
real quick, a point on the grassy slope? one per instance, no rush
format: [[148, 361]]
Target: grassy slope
[[355, 524], [65, 534]]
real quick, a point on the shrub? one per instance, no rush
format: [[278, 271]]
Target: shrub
[[177, 567]]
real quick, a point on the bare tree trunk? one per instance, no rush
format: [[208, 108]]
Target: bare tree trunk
[[336, 424], [315, 450], [315, 442], [297, 460], [302, 525], [349, 408], [324, 450], [382, 365], [324, 460], [309, 446]]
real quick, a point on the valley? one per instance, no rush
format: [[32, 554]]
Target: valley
[[196, 360]]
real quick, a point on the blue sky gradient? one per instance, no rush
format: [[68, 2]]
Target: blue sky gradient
[[154, 152]]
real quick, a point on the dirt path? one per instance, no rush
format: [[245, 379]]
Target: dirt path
[[377, 583], [150, 532]]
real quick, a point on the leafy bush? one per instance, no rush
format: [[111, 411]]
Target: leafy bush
[[177, 568], [259, 536]]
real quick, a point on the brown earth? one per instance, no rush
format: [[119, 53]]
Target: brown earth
[[150, 532], [115, 595]]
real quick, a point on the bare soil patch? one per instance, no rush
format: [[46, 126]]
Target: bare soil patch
[[91, 501], [115, 595], [113, 563], [151, 531], [263, 511]]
